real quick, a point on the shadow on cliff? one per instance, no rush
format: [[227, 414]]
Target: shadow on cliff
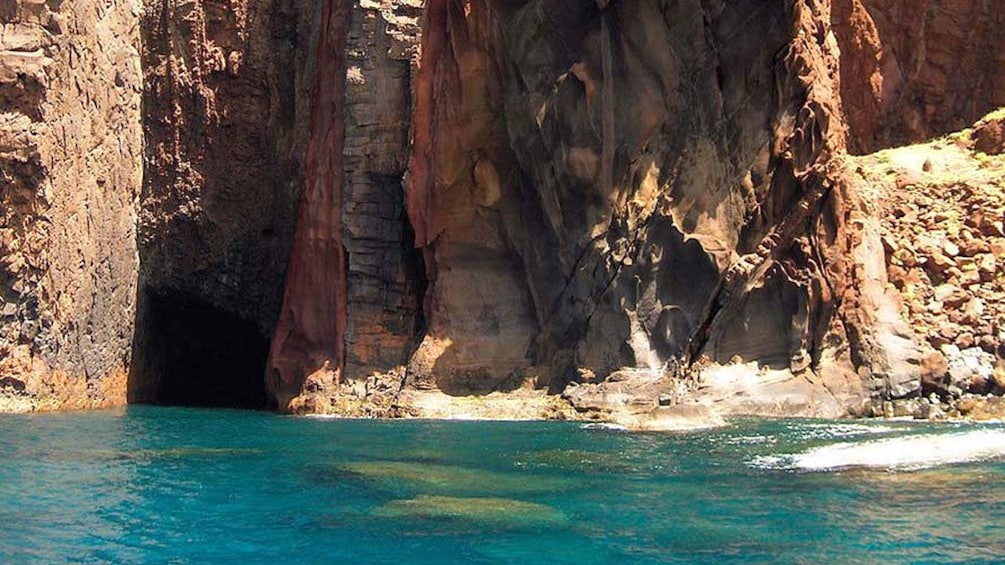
[[189, 353]]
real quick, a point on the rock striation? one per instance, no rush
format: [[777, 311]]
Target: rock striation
[[630, 210]]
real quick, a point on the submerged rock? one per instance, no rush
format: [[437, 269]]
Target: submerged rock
[[451, 480], [496, 512]]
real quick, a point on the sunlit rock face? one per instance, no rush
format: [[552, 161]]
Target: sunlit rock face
[[911, 71], [585, 176], [70, 173], [643, 184]]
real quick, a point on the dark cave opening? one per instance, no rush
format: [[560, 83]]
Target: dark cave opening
[[189, 353]]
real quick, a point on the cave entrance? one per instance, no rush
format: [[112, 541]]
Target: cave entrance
[[189, 353]]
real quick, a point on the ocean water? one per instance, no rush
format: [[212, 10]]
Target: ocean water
[[174, 485]]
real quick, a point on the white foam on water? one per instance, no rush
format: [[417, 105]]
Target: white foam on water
[[750, 440], [828, 431], [604, 425], [901, 453]]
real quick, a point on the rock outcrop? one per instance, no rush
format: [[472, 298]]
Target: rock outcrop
[[354, 283], [940, 207], [360, 206]]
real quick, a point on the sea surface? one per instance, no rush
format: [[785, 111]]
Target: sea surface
[[175, 485]]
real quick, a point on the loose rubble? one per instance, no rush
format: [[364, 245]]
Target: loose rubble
[[943, 205]]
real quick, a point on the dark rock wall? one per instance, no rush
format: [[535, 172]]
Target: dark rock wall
[[385, 275], [620, 161], [223, 121], [310, 333], [221, 176]]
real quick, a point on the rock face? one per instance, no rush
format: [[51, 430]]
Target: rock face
[[363, 201], [911, 71], [226, 105], [354, 284], [665, 193], [70, 174]]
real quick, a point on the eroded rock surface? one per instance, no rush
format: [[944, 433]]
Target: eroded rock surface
[[225, 118]]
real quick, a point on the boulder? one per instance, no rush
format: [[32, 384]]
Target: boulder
[[989, 137], [934, 373]]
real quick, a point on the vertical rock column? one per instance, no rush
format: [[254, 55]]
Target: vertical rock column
[[309, 336], [355, 282], [461, 191], [385, 275]]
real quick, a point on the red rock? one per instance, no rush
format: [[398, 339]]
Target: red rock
[[967, 405], [997, 246], [573, 205], [974, 247], [973, 311], [949, 332], [969, 277], [987, 343], [934, 368], [999, 377], [989, 137], [987, 267]]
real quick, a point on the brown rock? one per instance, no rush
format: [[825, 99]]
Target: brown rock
[[989, 137], [897, 274], [997, 246], [987, 266], [906, 257], [949, 332], [975, 246], [571, 195], [988, 343], [71, 169], [965, 340], [973, 311], [968, 404], [934, 373], [980, 385], [969, 277], [951, 296], [940, 263], [999, 377]]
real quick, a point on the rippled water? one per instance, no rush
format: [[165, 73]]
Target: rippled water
[[149, 484]]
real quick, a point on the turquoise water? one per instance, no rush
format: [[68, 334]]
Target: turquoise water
[[149, 484]]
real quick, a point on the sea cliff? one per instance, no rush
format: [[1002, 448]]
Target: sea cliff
[[646, 211]]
